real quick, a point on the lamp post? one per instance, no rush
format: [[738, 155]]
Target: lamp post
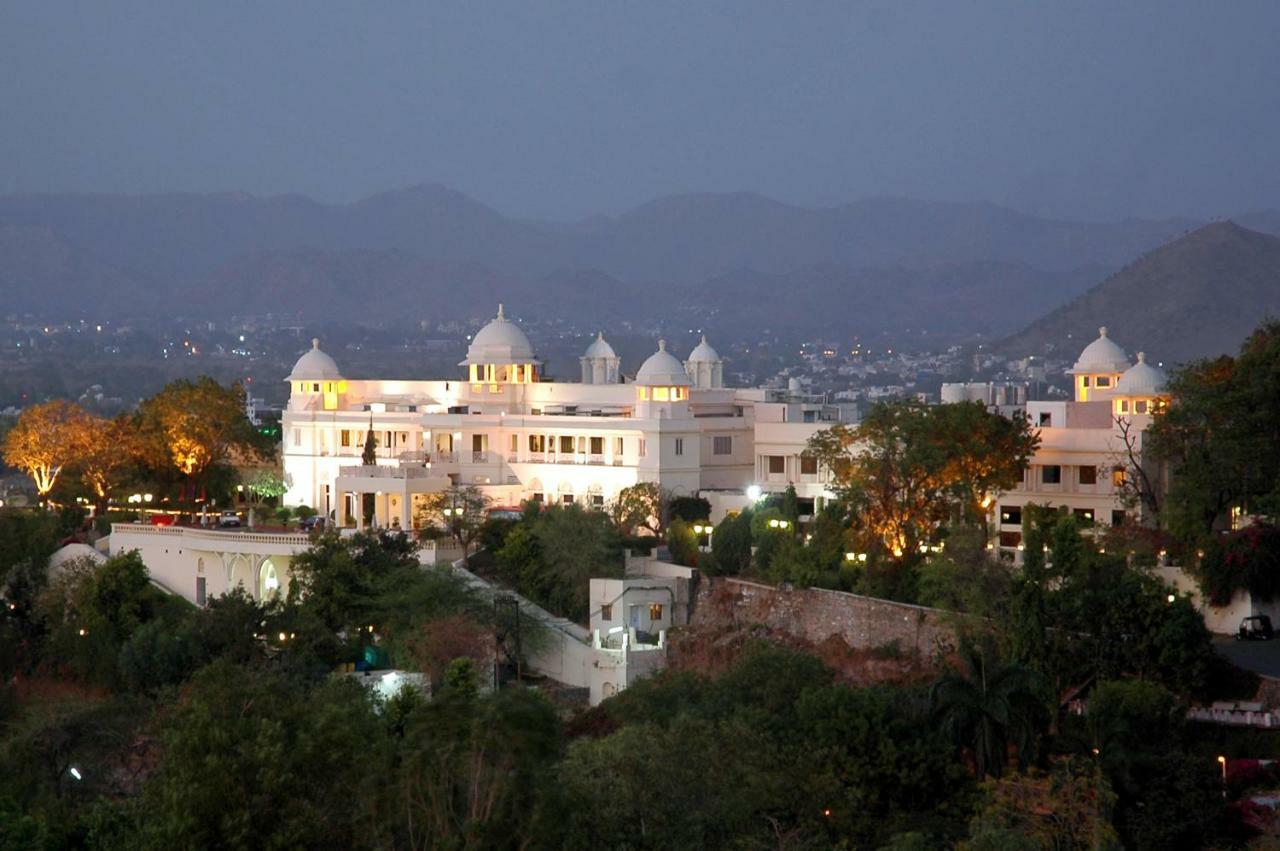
[[1222, 761], [701, 529]]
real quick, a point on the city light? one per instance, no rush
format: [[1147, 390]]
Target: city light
[[753, 493]]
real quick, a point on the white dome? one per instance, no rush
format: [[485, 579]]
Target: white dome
[[1102, 355], [703, 353], [1142, 379], [315, 365], [499, 342], [599, 348], [662, 369]]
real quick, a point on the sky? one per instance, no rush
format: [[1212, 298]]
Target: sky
[[560, 110]]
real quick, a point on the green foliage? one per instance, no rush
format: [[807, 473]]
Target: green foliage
[[1069, 808], [909, 467], [683, 543], [550, 556], [991, 708], [1247, 560], [462, 679], [731, 544], [246, 758], [690, 509], [1218, 436]]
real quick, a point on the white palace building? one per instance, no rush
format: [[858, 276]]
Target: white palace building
[[500, 426]]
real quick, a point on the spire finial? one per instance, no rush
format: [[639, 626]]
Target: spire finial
[[315, 342], [1142, 357], [600, 335], [662, 345], [1102, 332], [704, 338], [500, 316]]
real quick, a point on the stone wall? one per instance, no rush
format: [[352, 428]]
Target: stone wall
[[815, 615]]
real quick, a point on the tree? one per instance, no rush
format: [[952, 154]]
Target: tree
[[252, 758], [1138, 483], [264, 484], [989, 709], [461, 510], [109, 448], [907, 467], [1069, 808], [192, 426], [640, 506], [1220, 437], [731, 543], [46, 438]]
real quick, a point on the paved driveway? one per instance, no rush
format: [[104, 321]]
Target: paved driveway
[[1262, 657]]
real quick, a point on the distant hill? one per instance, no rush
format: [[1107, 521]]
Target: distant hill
[[1196, 297], [431, 251]]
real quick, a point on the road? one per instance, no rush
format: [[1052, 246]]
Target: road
[[1262, 657]]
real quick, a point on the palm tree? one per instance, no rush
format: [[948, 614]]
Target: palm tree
[[990, 708]]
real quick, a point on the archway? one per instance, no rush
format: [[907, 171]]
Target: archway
[[268, 581]]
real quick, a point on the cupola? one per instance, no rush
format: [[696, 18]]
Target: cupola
[[316, 377], [600, 363], [500, 353], [1099, 367], [704, 366]]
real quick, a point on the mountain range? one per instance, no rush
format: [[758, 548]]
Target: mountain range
[[876, 265]]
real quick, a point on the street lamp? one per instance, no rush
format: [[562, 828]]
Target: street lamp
[[753, 493], [1222, 761]]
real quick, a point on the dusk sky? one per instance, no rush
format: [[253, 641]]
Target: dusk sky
[[563, 110]]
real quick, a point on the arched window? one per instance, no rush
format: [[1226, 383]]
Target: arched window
[[268, 581]]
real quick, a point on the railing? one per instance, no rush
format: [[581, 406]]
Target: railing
[[382, 472], [288, 538], [479, 456]]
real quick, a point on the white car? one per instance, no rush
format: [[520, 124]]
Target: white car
[[228, 518]]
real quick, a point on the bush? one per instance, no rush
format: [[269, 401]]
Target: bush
[[731, 544], [690, 509], [682, 543]]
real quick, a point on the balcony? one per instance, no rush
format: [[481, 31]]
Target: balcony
[[479, 456]]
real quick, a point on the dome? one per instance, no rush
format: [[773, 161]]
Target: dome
[[662, 368], [1142, 379], [1102, 355], [315, 365], [703, 353], [599, 348], [499, 342]]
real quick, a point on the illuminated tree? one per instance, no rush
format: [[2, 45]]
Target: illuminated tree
[[908, 467], [45, 439], [193, 425], [461, 511], [109, 447], [641, 506]]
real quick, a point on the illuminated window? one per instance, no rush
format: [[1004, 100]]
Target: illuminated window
[[1117, 477], [344, 437], [655, 612], [661, 394], [644, 394], [606, 612], [515, 444]]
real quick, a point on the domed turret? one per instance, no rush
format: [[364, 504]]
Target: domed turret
[[315, 365], [1099, 366], [662, 385], [705, 367], [1141, 390], [662, 368], [315, 376], [500, 353], [600, 362], [1142, 379]]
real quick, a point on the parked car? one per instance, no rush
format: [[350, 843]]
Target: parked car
[[1255, 628], [314, 522], [162, 519], [228, 519]]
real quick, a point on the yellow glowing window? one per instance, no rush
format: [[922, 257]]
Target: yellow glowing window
[[661, 394], [644, 394]]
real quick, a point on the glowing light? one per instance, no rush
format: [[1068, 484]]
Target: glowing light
[[75, 772], [753, 493], [283, 637]]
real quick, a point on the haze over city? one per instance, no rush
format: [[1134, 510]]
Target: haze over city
[[564, 110]]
